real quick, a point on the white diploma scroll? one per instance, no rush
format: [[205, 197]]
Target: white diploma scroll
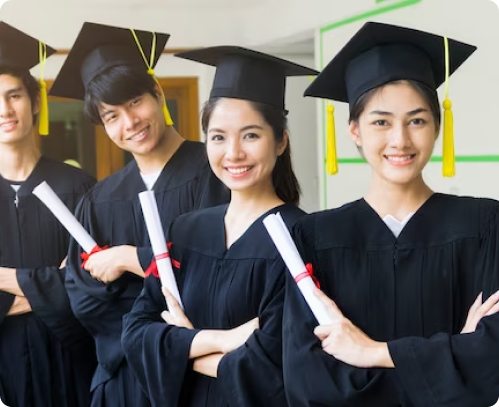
[[45, 194], [158, 243], [285, 245]]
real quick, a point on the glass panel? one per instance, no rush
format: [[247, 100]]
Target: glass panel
[[173, 109], [71, 136]]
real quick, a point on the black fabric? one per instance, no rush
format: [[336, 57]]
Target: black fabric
[[220, 289], [413, 292], [112, 214], [46, 356]]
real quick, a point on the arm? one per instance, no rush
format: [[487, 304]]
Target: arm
[[20, 306]]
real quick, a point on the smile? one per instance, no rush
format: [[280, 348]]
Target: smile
[[139, 136], [240, 170]]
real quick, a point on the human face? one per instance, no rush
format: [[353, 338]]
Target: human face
[[137, 126], [241, 146], [16, 115], [397, 133]]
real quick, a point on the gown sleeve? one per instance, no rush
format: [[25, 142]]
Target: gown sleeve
[[311, 376], [6, 302], [146, 336], [252, 374], [458, 370]]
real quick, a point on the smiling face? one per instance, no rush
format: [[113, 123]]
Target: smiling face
[[241, 146], [137, 126], [16, 114], [396, 132]]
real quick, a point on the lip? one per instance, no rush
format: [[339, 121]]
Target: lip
[[400, 162], [8, 126], [144, 130], [239, 167]]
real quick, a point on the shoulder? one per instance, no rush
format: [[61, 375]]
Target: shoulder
[[64, 178]]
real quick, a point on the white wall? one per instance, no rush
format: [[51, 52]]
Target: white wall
[[473, 90]]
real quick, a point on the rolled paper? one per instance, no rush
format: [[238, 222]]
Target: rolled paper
[[158, 243], [46, 194], [286, 247]]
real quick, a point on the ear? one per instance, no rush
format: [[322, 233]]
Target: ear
[[36, 105], [159, 93], [283, 144], [354, 132]]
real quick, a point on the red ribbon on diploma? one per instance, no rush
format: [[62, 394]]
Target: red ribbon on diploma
[[309, 272], [153, 267], [85, 256]]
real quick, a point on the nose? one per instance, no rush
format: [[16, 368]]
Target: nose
[[234, 150], [400, 137], [5, 108], [130, 119]]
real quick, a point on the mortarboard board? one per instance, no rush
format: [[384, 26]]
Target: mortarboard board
[[19, 50], [246, 74], [98, 48], [382, 53]]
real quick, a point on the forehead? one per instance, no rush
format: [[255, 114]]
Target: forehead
[[235, 112], [10, 82], [396, 96]]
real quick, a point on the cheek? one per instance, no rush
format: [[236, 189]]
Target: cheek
[[215, 154]]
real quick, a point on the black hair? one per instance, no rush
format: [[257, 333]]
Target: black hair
[[115, 86]]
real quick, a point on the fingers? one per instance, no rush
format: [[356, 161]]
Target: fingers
[[476, 305], [493, 310], [333, 309], [168, 318]]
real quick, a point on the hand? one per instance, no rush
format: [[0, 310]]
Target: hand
[[19, 306], [479, 310], [175, 314], [236, 337], [107, 265], [63, 264], [343, 340]]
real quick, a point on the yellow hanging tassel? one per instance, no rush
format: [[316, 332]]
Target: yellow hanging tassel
[[448, 140], [331, 158], [150, 71], [448, 131], [43, 123]]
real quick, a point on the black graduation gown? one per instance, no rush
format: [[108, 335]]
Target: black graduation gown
[[112, 214], [220, 289], [413, 292], [46, 356]]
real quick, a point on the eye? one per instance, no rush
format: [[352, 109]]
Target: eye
[[14, 96], [217, 137], [136, 101], [110, 117], [380, 122], [251, 136], [418, 121]]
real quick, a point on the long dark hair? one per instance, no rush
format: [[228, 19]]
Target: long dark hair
[[30, 83], [429, 95], [115, 86], [284, 179]]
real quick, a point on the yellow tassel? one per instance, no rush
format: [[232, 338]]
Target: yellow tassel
[[448, 140], [43, 124], [331, 158]]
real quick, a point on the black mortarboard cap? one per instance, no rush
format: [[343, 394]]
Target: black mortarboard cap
[[382, 53], [18, 49], [246, 74], [99, 47]]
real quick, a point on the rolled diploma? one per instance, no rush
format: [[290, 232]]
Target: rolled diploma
[[285, 245], [45, 194], [158, 243]]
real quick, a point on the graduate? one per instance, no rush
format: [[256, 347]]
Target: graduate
[[225, 348], [409, 276], [46, 356], [107, 69]]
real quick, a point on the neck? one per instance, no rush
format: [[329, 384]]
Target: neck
[[18, 161], [397, 200], [251, 204], [162, 153]]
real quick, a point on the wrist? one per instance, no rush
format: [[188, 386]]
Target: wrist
[[126, 256], [381, 355]]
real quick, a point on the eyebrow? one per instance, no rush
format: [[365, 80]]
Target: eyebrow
[[245, 128], [104, 113], [14, 90], [411, 113]]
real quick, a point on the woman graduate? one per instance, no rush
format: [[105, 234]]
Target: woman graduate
[[228, 269], [404, 270], [106, 68]]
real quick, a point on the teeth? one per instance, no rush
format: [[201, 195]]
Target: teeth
[[399, 159], [238, 170], [139, 135]]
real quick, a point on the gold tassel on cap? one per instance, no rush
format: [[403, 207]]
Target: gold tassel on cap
[[150, 71], [448, 132], [43, 123], [331, 157]]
